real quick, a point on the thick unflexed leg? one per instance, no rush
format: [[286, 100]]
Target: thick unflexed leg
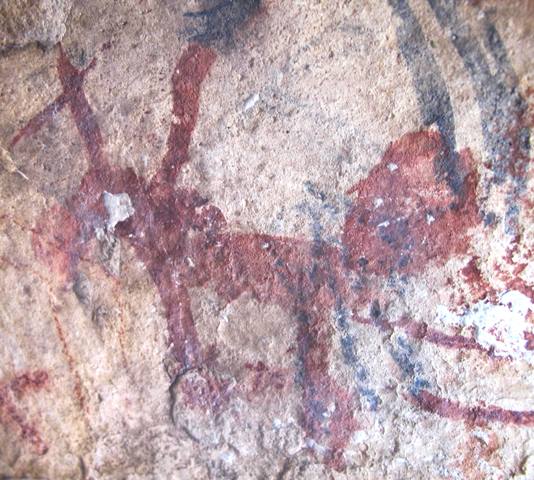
[[327, 408], [192, 68], [180, 324]]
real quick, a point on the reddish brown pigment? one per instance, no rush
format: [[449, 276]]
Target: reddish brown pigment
[[511, 275], [73, 95], [10, 412], [28, 382], [421, 331], [263, 379], [54, 309], [205, 391], [403, 218], [78, 391], [473, 415], [184, 242], [55, 241], [479, 286]]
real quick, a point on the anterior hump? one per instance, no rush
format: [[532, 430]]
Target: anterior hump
[[405, 214]]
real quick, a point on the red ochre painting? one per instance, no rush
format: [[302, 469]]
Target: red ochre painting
[[422, 207]]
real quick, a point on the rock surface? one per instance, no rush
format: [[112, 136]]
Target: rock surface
[[257, 239], [32, 21]]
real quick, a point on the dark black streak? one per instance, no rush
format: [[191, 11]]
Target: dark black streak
[[362, 262], [375, 310], [489, 219], [404, 357], [497, 94], [173, 386], [218, 24], [83, 468], [348, 350], [404, 261], [432, 95], [318, 269], [313, 190]]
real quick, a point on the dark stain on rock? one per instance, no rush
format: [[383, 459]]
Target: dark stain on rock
[[82, 288], [217, 25], [489, 219], [529, 338], [504, 112], [432, 94], [350, 357], [375, 311], [497, 94], [403, 355]]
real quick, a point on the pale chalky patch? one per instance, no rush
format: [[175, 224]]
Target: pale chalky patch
[[500, 326]]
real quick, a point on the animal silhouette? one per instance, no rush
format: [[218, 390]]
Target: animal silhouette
[[185, 242]]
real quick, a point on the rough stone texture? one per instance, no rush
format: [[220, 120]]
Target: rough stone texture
[[287, 240], [28, 21]]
